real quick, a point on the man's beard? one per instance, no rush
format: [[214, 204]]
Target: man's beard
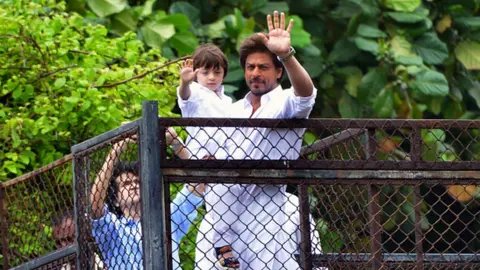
[[260, 92]]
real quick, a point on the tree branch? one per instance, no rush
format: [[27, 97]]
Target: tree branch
[[104, 55], [138, 76], [44, 75]]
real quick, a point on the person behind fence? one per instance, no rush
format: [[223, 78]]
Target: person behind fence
[[204, 253], [206, 98], [64, 235], [259, 210], [116, 211]]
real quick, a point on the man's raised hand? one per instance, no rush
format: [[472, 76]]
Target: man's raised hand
[[187, 74], [278, 39]]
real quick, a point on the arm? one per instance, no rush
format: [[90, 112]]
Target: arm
[[187, 74], [184, 209], [100, 186], [174, 141], [278, 42]]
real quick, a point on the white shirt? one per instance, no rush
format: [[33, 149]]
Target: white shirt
[[204, 102], [259, 247]]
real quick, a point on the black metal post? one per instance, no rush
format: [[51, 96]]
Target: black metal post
[[4, 227], [306, 245], [153, 207]]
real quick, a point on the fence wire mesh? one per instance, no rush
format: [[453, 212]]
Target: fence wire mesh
[[37, 213]]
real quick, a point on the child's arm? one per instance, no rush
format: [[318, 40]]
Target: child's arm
[[174, 141], [101, 184], [187, 74]]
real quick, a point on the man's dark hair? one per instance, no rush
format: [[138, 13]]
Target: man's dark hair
[[254, 44], [210, 56], [61, 217], [120, 168]]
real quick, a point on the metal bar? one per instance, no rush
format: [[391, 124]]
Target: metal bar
[[315, 181], [324, 164], [306, 244], [4, 227], [34, 173], [375, 212], [330, 141], [467, 258], [153, 207], [418, 226], [416, 151], [104, 137], [49, 258], [325, 123], [442, 176], [168, 226], [77, 176]]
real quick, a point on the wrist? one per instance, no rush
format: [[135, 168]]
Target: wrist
[[285, 56]]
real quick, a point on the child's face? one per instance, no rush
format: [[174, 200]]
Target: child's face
[[211, 78], [128, 189]]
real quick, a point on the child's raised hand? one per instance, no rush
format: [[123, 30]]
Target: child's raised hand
[[187, 74]]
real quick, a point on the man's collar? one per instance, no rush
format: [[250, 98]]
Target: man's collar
[[265, 97]]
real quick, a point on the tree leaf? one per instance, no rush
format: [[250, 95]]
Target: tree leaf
[[192, 13], [184, 42], [409, 60], [300, 38], [59, 83], [105, 8], [343, 51], [278, 6], [467, 22], [371, 84], [406, 17], [474, 91], [430, 83], [370, 32], [349, 107], [155, 34], [383, 104], [180, 21], [402, 5], [123, 22], [431, 49], [444, 24], [399, 45], [468, 53], [367, 45]]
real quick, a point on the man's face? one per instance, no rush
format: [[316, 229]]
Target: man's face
[[210, 78], [261, 74], [64, 233], [128, 189]]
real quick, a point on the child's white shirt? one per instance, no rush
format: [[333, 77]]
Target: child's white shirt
[[205, 103]]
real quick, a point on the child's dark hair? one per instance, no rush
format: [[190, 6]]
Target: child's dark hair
[[120, 168], [210, 56]]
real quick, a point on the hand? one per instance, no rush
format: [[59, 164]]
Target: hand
[[196, 189], [278, 39], [122, 145], [187, 74], [171, 136]]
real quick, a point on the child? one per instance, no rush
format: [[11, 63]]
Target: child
[[201, 94]]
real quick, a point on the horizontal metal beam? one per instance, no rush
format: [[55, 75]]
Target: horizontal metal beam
[[104, 137], [399, 257], [322, 123], [323, 164], [325, 175], [49, 258]]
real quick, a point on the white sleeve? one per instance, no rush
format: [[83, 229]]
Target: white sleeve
[[190, 106], [296, 106]]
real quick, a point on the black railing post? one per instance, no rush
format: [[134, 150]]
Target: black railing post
[[4, 227], [306, 244], [153, 208], [416, 156]]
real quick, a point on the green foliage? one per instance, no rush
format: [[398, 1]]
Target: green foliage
[[54, 76]]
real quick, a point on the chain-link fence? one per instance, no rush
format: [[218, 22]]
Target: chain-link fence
[[37, 215], [311, 194]]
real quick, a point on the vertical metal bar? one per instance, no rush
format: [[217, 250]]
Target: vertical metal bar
[[153, 206], [416, 156], [416, 150], [3, 220], [375, 210], [77, 192], [306, 244], [418, 227], [168, 227]]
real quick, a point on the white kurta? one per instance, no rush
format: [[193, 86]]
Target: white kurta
[[260, 213], [205, 255]]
